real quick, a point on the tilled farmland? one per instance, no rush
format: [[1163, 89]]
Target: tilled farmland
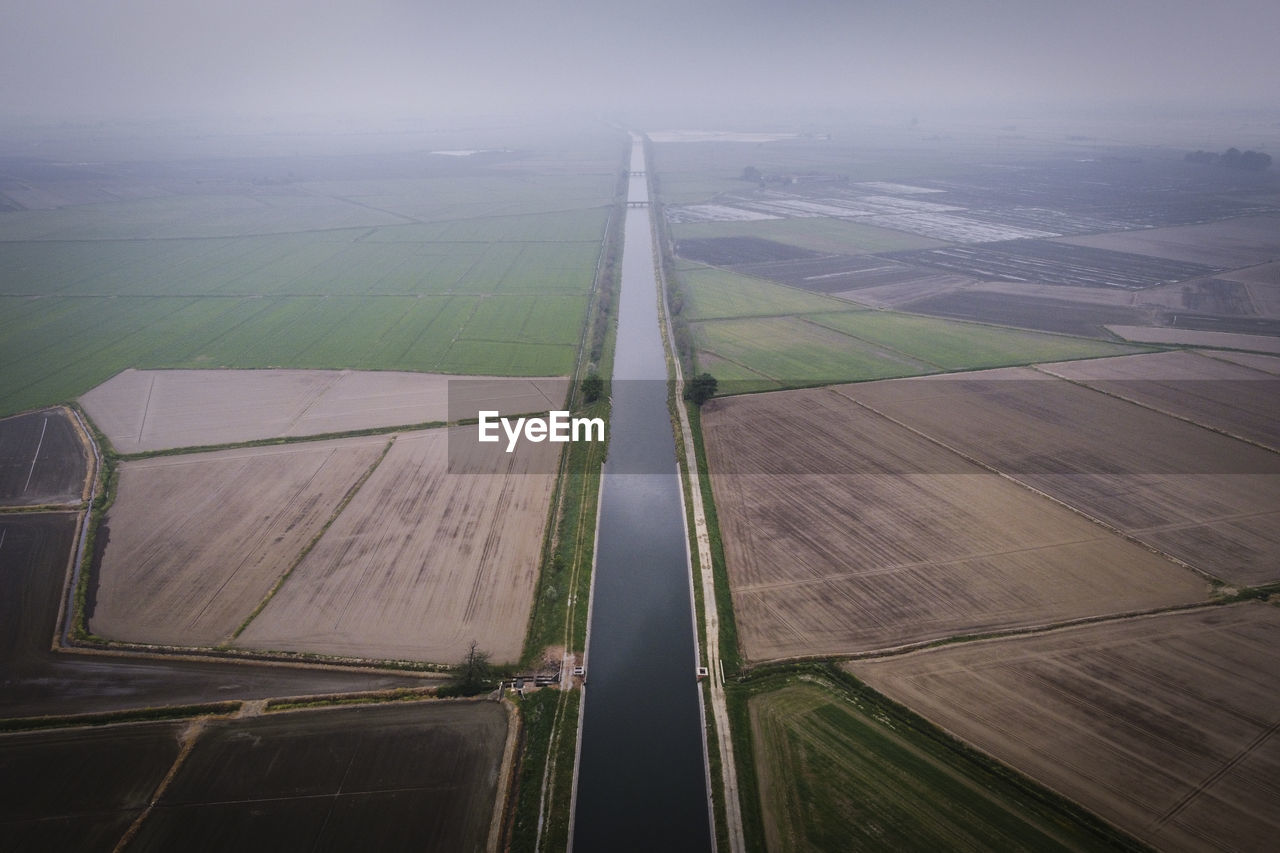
[[146, 410], [420, 563], [1208, 390], [413, 563], [194, 542], [868, 536], [1195, 494], [405, 776], [1164, 725]]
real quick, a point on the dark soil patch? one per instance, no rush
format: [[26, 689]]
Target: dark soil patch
[[727, 251]]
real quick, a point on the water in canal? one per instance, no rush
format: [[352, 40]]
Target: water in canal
[[642, 782]]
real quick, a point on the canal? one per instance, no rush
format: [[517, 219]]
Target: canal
[[641, 776]]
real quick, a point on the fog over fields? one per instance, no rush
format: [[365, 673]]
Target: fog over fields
[[397, 57]]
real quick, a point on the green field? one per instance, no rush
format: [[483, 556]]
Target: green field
[[954, 345], [475, 272], [836, 772], [754, 335], [56, 348], [713, 293], [817, 233]]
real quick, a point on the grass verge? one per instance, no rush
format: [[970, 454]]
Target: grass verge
[[862, 770]]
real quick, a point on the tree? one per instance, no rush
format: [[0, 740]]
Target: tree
[[1255, 161], [472, 675], [751, 173], [700, 388], [592, 387]]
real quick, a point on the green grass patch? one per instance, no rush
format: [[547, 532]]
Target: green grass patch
[[768, 353], [564, 584], [541, 714], [955, 345], [584, 225], [790, 351], [837, 767], [62, 347], [712, 293]]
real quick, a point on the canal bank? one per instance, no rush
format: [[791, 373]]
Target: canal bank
[[641, 772]]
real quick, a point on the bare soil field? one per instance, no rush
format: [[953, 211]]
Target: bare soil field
[[1263, 285], [1218, 297], [724, 251], [1218, 394], [193, 543], [1217, 304], [1057, 263], [895, 293], [421, 562], [42, 459], [34, 551], [419, 776], [1266, 363], [141, 410], [1205, 498], [394, 777], [1225, 244], [1197, 338], [835, 273], [1164, 725], [80, 789], [866, 536]]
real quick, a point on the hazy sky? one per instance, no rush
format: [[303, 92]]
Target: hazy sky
[[128, 57]]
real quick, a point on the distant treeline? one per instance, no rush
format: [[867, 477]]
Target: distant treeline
[[1233, 158]]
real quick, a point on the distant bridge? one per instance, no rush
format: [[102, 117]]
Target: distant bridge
[[637, 204]]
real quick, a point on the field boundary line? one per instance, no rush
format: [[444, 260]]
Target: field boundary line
[[287, 440], [1012, 479], [1212, 356], [869, 342], [993, 636], [66, 603], [586, 647], [1184, 418], [41, 509], [36, 457], [1213, 777], [506, 779], [189, 738], [315, 540]]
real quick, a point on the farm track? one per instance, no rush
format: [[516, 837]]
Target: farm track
[[709, 636]]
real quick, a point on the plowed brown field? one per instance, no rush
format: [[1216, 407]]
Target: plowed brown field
[[421, 562], [1164, 725], [194, 542], [1205, 498], [142, 410], [866, 536], [1219, 394]]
